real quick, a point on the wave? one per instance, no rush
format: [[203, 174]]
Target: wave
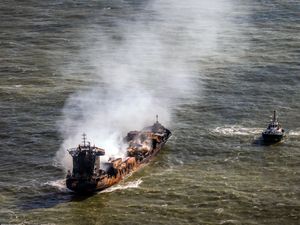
[[124, 186]]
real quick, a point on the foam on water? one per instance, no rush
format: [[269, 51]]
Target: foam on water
[[230, 130], [123, 186], [58, 184], [294, 133], [61, 185]]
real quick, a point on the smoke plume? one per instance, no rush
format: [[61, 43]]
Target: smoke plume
[[140, 66]]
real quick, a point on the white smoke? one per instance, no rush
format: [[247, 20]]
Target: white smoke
[[140, 67]]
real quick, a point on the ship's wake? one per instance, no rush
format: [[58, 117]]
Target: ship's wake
[[123, 186], [60, 185], [235, 130], [294, 133]]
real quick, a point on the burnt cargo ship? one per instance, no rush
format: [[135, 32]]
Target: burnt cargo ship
[[88, 177]]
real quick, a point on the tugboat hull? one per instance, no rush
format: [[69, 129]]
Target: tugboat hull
[[274, 132], [272, 138]]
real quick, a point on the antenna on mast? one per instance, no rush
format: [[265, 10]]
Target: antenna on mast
[[156, 118]]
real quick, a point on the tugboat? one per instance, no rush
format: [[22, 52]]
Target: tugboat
[[89, 176], [274, 133]]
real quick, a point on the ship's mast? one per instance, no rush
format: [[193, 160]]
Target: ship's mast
[[84, 138], [274, 116], [156, 118]]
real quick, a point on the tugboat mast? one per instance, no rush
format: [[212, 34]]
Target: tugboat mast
[[274, 116]]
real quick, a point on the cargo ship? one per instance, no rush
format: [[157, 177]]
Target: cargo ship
[[89, 175], [274, 132]]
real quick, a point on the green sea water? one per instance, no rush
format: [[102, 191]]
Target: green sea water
[[237, 62]]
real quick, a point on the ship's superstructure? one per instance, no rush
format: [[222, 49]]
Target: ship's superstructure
[[87, 176], [274, 131]]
